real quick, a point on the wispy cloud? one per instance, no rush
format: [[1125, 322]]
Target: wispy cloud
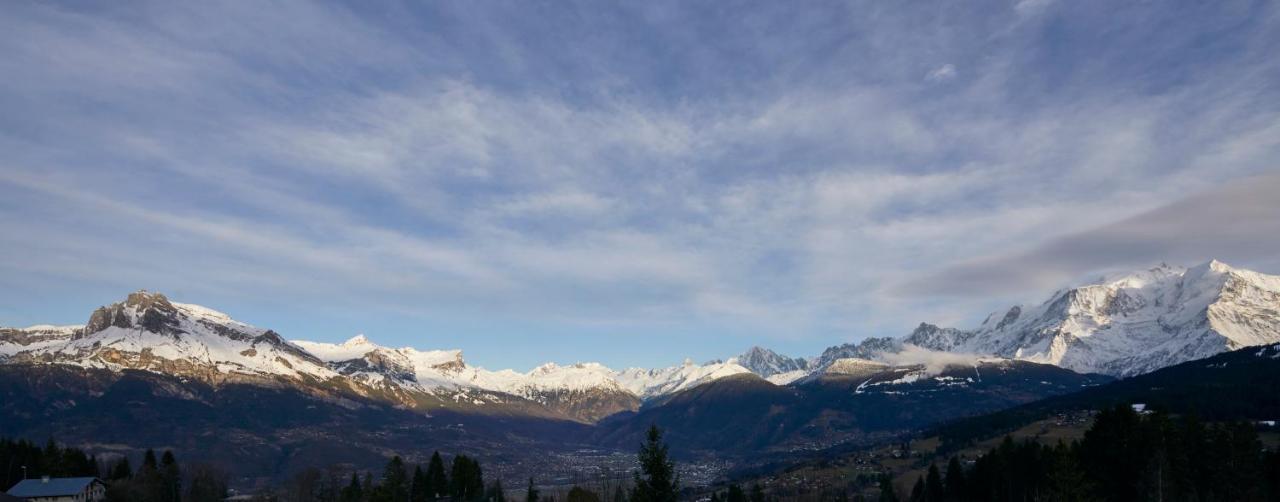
[[579, 176]]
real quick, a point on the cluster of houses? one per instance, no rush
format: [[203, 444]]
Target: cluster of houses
[[47, 489]]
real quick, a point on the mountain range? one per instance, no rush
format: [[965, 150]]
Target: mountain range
[[201, 363]]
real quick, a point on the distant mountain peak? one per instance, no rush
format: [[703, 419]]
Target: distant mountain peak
[[767, 363], [1131, 323], [357, 341]]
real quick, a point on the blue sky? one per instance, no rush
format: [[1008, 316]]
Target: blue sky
[[630, 182]]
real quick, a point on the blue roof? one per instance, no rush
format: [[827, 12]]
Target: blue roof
[[54, 487]]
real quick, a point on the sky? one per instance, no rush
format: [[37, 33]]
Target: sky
[[632, 183]]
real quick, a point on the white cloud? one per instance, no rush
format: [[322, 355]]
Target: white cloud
[[941, 73]]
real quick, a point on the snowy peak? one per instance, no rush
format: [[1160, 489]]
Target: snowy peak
[[146, 331], [1129, 324], [767, 363], [868, 349]]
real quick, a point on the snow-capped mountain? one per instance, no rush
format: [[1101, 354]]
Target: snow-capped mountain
[[1120, 326], [1131, 324], [586, 391], [15, 340], [651, 383], [870, 348], [148, 332], [767, 363]]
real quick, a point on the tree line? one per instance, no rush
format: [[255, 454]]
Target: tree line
[[1124, 456], [162, 479], [463, 480], [655, 481], [155, 480]]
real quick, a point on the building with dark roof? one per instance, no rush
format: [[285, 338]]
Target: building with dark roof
[[48, 489]]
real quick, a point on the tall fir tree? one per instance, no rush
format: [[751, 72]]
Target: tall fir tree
[[917, 491], [495, 492], [436, 478], [531, 494], [887, 494], [934, 491], [170, 477], [659, 481], [394, 486], [735, 494], [121, 471], [954, 481], [419, 489], [354, 491]]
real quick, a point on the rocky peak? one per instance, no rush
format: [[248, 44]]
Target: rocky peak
[[766, 363], [868, 348], [142, 299], [148, 311]]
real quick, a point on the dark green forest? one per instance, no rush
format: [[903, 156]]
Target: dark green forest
[[1124, 456], [162, 479]]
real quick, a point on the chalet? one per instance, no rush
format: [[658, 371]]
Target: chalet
[[48, 489]]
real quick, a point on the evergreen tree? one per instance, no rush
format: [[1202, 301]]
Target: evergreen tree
[[918, 491], [420, 490], [886, 489], [619, 495], [394, 486], [954, 491], [757, 493], [531, 494], [121, 471], [436, 480], [495, 493], [659, 482], [933, 489], [353, 492], [580, 494], [735, 494], [170, 477], [466, 482], [208, 484]]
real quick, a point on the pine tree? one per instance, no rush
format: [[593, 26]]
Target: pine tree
[[435, 476], [933, 489], [580, 494], [354, 492], [394, 484], [171, 477], [531, 495], [121, 471], [420, 490], [735, 494], [954, 481], [659, 482], [495, 493], [757, 493], [466, 481], [886, 489], [918, 491], [208, 484]]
